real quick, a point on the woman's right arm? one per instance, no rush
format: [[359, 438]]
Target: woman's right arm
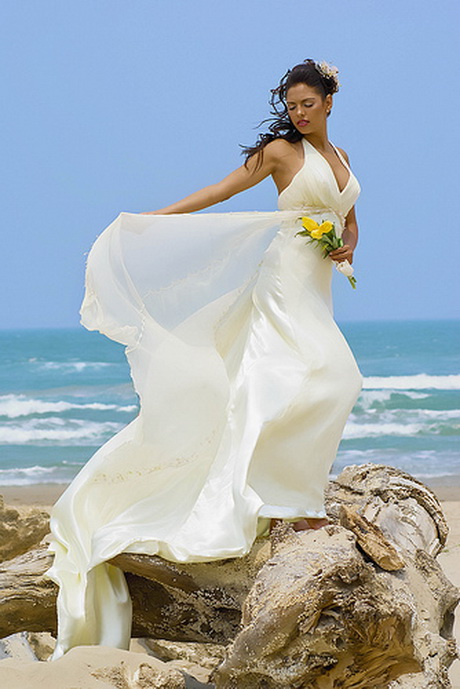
[[239, 180]]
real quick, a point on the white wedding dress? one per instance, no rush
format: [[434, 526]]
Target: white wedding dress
[[245, 384]]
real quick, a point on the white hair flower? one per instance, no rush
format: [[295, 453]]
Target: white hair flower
[[328, 70]]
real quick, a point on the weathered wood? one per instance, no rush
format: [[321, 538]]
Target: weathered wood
[[320, 612], [371, 540], [323, 614], [27, 600], [353, 607], [406, 510], [187, 602]]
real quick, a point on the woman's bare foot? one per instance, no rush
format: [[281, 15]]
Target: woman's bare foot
[[310, 523], [303, 524]]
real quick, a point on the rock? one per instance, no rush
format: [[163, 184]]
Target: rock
[[42, 644], [196, 659], [20, 529], [17, 646]]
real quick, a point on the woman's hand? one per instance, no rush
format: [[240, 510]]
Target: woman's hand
[[349, 238], [343, 253]]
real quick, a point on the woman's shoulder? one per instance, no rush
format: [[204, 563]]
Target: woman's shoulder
[[281, 148], [344, 153], [281, 145]]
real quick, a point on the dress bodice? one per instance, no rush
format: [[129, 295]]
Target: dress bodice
[[315, 185]]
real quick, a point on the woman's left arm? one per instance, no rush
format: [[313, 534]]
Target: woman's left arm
[[350, 239], [349, 234]]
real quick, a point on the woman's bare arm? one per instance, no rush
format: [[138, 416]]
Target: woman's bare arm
[[350, 239], [349, 234], [239, 180]]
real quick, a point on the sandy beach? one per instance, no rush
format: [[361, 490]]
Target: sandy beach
[[446, 488], [39, 495], [44, 496]]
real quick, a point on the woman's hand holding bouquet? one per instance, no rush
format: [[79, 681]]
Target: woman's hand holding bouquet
[[332, 245]]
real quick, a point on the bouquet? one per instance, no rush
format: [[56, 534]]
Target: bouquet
[[325, 235]]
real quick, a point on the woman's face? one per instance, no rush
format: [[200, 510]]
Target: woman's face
[[307, 110]]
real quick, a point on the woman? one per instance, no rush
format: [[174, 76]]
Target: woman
[[244, 379]]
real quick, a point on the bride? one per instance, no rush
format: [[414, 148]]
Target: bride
[[244, 379]]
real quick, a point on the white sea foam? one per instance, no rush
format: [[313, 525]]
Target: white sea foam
[[368, 397], [422, 416], [59, 431], [73, 366], [420, 381], [405, 422], [24, 476], [372, 430], [442, 414], [14, 406], [27, 471]]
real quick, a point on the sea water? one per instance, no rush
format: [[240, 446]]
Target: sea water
[[63, 393]]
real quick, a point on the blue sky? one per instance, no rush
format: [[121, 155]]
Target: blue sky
[[128, 105]]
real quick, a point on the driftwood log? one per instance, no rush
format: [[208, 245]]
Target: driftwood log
[[359, 604]]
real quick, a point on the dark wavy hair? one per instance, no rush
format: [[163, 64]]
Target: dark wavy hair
[[281, 126]]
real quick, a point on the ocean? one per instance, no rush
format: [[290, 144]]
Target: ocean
[[63, 393]]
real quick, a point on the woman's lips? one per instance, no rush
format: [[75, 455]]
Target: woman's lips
[[303, 123]]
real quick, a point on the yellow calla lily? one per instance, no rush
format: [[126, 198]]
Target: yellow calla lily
[[328, 244], [316, 230], [309, 224]]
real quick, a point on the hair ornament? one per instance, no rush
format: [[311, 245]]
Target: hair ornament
[[328, 71]]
